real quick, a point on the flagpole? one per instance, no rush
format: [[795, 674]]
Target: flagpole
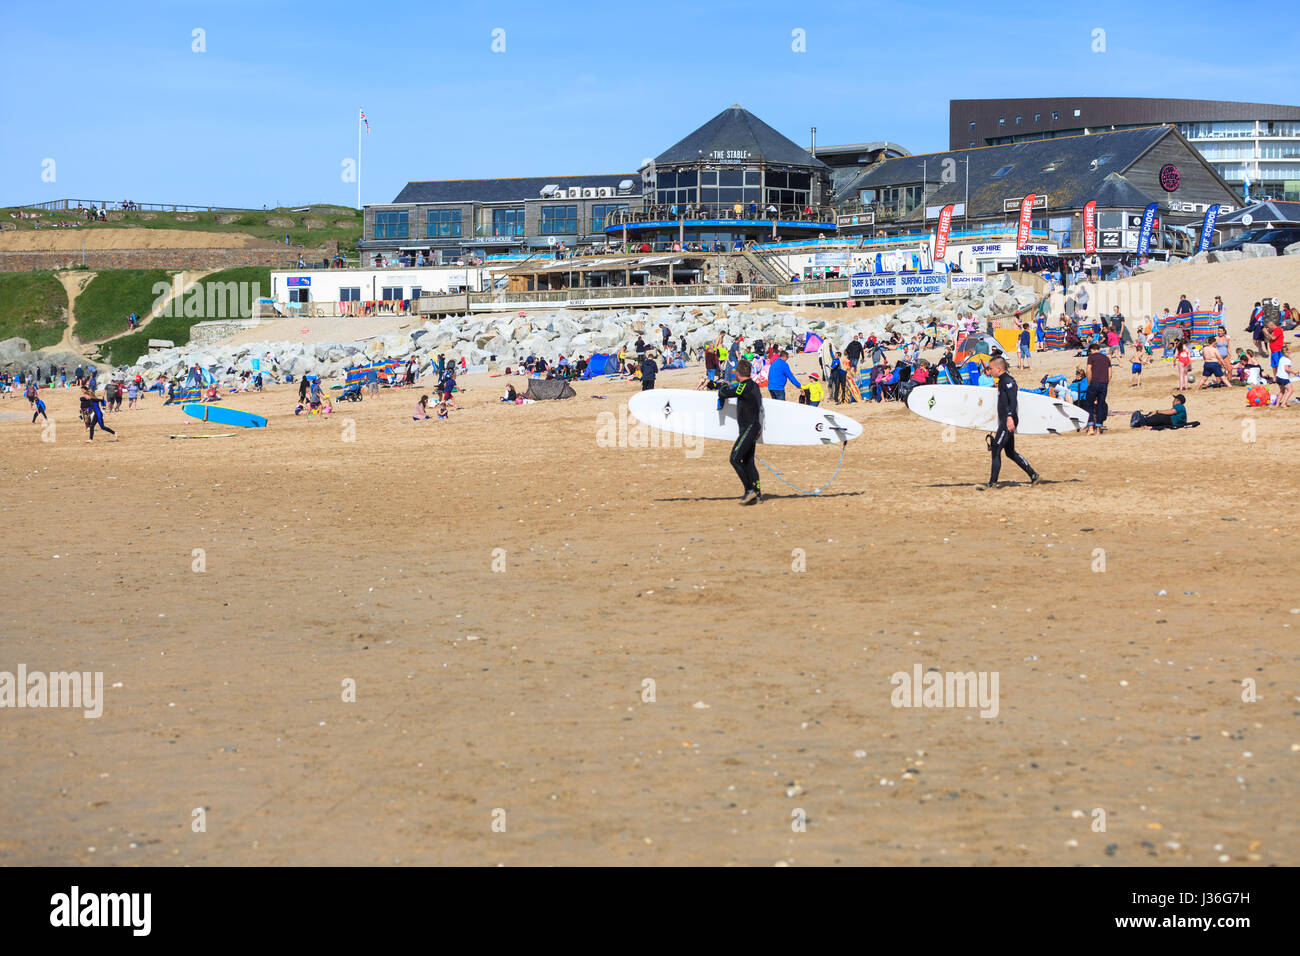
[[358, 158]]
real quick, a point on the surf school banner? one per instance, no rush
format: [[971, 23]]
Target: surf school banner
[[941, 237], [1148, 220], [1090, 227], [1026, 218], [1207, 227], [898, 285]]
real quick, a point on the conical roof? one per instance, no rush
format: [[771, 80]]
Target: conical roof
[[737, 134]]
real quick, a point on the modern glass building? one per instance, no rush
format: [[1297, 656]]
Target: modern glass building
[[1246, 143]]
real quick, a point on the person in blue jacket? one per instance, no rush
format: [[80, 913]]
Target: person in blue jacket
[[779, 375]]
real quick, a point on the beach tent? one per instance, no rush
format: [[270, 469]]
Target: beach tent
[[1204, 325], [544, 389], [813, 343], [601, 365], [1054, 338]]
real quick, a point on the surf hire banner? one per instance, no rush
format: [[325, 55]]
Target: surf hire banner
[[1026, 217], [1144, 237], [945, 228], [1207, 227], [1090, 227]]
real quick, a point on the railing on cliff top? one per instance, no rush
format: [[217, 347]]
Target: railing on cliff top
[[118, 205]]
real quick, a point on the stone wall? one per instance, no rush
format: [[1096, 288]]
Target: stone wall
[[98, 259], [218, 330]]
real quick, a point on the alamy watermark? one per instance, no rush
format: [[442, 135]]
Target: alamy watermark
[[83, 690], [208, 300], [935, 688]]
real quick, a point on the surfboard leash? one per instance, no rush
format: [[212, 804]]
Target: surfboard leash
[[777, 475]]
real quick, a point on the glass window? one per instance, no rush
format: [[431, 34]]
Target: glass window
[[300, 295], [686, 178], [972, 127], [601, 212], [559, 221], [1003, 171], [752, 177], [415, 291], [392, 224], [1002, 121], [777, 180], [709, 177], [1055, 115], [730, 177], [442, 223], [350, 294], [508, 222], [666, 180], [1038, 117], [1076, 112], [1018, 119], [391, 293], [800, 180]]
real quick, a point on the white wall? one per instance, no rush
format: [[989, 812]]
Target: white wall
[[326, 283]]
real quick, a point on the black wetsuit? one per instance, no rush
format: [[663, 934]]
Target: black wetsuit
[[1003, 440], [93, 411], [749, 409]]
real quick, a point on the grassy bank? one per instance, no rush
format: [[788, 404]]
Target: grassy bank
[[304, 226], [102, 307], [32, 306], [191, 308]]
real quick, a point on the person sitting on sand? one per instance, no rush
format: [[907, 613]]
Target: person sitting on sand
[[1174, 417], [1248, 368], [421, 411], [442, 411], [510, 395]]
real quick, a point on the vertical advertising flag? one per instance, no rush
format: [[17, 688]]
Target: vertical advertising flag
[[1207, 227], [1144, 238], [1090, 227], [941, 237], [1026, 217]]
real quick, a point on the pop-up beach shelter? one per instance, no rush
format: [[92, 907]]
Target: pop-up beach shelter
[[544, 389]]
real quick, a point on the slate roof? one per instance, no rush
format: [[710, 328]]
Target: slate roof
[[1273, 212], [738, 130], [505, 190], [1072, 180]]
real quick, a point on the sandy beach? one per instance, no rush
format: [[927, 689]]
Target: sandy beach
[[500, 586]]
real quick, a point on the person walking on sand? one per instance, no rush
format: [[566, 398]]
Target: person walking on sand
[[40, 410], [749, 409], [92, 413], [1022, 350], [1004, 439]]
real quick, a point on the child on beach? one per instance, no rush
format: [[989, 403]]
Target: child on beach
[[1137, 369], [1183, 359], [442, 412], [132, 394], [1284, 380]]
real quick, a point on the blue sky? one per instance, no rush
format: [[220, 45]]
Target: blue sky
[[117, 97]]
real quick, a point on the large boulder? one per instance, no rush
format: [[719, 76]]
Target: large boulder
[[1225, 255], [1292, 250], [1258, 250]]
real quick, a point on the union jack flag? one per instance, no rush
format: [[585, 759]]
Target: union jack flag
[[366, 121]]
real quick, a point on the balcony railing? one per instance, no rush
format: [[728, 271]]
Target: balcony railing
[[748, 212]]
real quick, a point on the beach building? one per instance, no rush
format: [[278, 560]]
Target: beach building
[[1254, 146], [1122, 171]]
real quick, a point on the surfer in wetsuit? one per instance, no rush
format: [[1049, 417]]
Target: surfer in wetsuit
[[749, 408], [92, 413], [1004, 439]]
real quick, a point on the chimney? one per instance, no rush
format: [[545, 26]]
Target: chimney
[[814, 141]]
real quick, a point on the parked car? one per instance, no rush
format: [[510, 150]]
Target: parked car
[[1278, 237]]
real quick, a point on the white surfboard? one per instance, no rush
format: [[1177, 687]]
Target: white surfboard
[[696, 413], [976, 406]]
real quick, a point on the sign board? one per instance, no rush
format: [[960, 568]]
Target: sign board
[[857, 219], [898, 285], [958, 280], [1013, 205], [297, 281], [1007, 250], [1111, 239], [830, 258], [958, 210]]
